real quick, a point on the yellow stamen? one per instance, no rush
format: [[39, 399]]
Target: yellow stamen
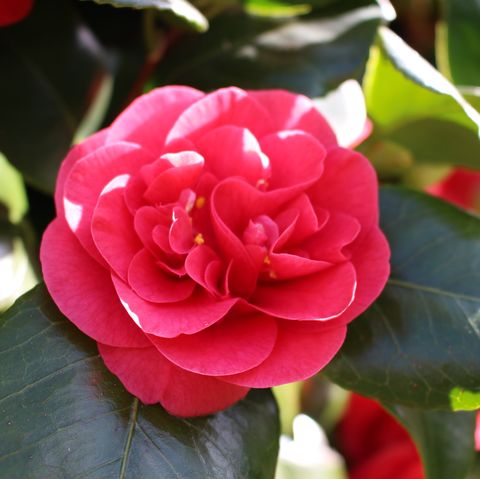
[[267, 260], [262, 184], [272, 275], [200, 202], [199, 239]]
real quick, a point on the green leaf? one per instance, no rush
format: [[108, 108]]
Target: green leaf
[[418, 344], [180, 9], [65, 415], [444, 440], [434, 119], [51, 69], [461, 45], [309, 55], [12, 191]]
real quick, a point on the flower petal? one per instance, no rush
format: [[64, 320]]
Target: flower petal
[[297, 355], [320, 296], [152, 378], [234, 345], [227, 106], [112, 227], [77, 152], [149, 118], [296, 158], [233, 151], [83, 291], [88, 177], [169, 320], [290, 111], [153, 284]]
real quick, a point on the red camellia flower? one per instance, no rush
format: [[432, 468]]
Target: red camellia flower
[[375, 445], [12, 11], [211, 243]]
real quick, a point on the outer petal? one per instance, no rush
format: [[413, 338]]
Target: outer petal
[[152, 378], [83, 290], [234, 151], [319, 296], [236, 344], [296, 158], [77, 152], [112, 227], [371, 261], [297, 355], [227, 106], [169, 320], [88, 177], [348, 185], [149, 118], [290, 111]]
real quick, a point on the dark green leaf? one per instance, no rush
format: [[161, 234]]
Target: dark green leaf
[[462, 44], [418, 344], [182, 9], [65, 415], [51, 69], [444, 440], [309, 55]]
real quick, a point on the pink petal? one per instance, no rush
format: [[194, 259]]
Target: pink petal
[[77, 152], [227, 106], [199, 266], [319, 296], [234, 345], [147, 218], [112, 228], [168, 185], [152, 378], [477, 433], [83, 290], [180, 235], [233, 151], [348, 185], [329, 243], [296, 356], [88, 177], [290, 111], [296, 158], [153, 284], [290, 266], [169, 320], [149, 118], [371, 261]]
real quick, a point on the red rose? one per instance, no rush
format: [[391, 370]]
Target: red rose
[[375, 445], [12, 11], [214, 243]]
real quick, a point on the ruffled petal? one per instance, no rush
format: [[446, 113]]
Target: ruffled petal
[[77, 152], [147, 374], [290, 111], [88, 177], [155, 285], [169, 320], [112, 227], [227, 106], [234, 345], [296, 158], [149, 118], [297, 355], [234, 151], [83, 290], [321, 296], [348, 185]]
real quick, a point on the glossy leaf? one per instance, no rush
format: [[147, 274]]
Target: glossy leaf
[[51, 68], [309, 55], [418, 344], [180, 9], [462, 40], [444, 440], [65, 415], [436, 117]]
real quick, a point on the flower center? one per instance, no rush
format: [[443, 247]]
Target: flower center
[[261, 231]]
